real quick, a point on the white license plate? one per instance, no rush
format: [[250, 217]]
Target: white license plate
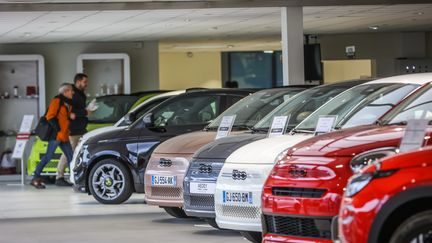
[[237, 197], [202, 188], [164, 180]]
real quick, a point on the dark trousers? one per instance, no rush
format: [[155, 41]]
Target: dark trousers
[[52, 146]]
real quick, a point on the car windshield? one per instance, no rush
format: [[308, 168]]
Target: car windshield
[[417, 106], [360, 105], [111, 108], [300, 106], [254, 107]]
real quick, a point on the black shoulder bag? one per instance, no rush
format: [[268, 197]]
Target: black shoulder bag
[[44, 130]]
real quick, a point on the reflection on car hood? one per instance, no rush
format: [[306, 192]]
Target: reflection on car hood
[[186, 143], [100, 131], [266, 150], [111, 134], [223, 147], [349, 142]]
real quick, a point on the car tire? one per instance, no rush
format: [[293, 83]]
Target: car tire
[[212, 223], [110, 182], [414, 228], [176, 212], [252, 236]]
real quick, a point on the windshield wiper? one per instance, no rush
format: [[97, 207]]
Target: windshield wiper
[[241, 127], [260, 130], [295, 130]]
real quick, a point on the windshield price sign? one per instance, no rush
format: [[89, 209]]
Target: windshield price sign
[[414, 135], [225, 126], [278, 126], [325, 124]]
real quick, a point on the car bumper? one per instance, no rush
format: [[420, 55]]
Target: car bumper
[[199, 200], [166, 195], [244, 216], [271, 238]]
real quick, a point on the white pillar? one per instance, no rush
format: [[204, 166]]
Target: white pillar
[[292, 45]]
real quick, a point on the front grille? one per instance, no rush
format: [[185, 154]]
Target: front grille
[[166, 192], [302, 227], [298, 192], [234, 211], [200, 201]]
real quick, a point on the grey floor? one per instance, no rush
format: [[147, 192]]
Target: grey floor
[[60, 215]]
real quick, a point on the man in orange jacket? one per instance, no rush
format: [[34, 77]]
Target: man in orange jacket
[[58, 116]]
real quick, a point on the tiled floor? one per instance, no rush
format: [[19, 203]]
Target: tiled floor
[[60, 215]]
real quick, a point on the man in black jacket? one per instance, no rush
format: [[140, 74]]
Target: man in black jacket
[[78, 126]]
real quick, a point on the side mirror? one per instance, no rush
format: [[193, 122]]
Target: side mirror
[[148, 120], [129, 118]]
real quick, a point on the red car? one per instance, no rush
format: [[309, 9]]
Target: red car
[[304, 190], [390, 201]]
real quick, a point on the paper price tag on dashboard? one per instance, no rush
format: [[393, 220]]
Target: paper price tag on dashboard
[[225, 126], [278, 126], [414, 135], [325, 124]]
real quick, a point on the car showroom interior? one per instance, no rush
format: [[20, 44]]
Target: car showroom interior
[[274, 121]]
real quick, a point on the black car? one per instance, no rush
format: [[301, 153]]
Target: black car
[[111, 165]]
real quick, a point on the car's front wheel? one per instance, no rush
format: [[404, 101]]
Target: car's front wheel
[[110, 182], [417, 228], [252, 236], [176, 212]]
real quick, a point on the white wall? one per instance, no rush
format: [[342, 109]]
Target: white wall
[[60, 60]]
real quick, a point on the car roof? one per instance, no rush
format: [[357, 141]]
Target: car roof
[[218, 91], [413, 78]]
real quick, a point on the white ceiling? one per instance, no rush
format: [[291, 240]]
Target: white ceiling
[[203, 24]]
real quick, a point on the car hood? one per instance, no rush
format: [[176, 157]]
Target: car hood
[[100, 131], [110, 135], [266, 150], [350, 142], [223, 147], [186, 143]]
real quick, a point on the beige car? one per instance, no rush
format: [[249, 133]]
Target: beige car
[[169, 162]]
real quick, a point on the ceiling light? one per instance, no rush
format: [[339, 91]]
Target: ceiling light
[[230, 46], [27, 34], [268, 52], [374, 27], [420, 13]]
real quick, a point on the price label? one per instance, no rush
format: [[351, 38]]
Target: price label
[[225, 126], [325, 124], [26, 124], [414, 135], [19, 148], [278, 126]]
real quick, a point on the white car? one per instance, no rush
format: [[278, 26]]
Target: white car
[[239, 185], [136, 112]]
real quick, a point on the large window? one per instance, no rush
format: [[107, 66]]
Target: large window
[[251, 69]]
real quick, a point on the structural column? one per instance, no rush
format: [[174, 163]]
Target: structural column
[[292, 45]]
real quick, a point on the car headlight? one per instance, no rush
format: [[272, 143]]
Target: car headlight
[[366, 158], [357, 183], [281, 156]]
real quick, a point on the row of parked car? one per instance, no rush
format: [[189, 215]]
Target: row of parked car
[[287, 188]]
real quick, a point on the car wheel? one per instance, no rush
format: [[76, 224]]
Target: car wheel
[[110, 182], [176, 212], [252, 236], [212, 223], [417, 228]]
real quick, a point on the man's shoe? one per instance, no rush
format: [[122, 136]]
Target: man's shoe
[[37, 182], [62, 182]]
